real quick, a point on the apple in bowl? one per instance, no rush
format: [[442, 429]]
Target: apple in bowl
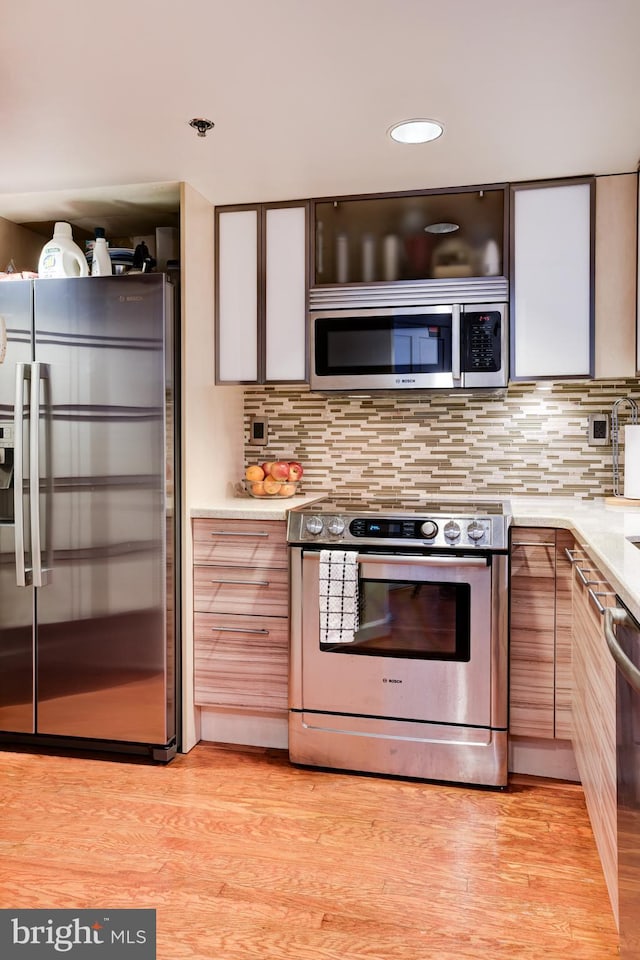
[[295, 471], [280, 470], [271, 485]]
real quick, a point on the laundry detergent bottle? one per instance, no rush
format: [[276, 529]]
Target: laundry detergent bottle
[[101, 260], [61, 257]]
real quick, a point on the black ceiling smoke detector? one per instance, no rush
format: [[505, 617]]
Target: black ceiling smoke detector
[[201, 125]]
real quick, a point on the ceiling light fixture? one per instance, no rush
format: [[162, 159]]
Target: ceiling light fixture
[[201, 125], [416, 131], [442, 227]]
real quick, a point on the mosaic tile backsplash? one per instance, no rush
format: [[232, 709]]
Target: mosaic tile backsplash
[[529, 439]]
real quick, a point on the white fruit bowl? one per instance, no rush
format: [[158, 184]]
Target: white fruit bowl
[[282, 490]]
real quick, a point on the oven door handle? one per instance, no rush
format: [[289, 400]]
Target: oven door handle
[[423, 561], [419, 561]]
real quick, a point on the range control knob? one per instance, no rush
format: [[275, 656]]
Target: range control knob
[[475, 530], [336, 526], [429, 529], [452, 530], [313, 525]]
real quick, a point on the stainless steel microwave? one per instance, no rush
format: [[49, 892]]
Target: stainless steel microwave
[[409, 347]]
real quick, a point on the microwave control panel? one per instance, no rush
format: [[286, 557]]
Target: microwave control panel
[[482, 341]]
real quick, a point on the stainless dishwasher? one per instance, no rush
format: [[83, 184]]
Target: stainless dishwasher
[[622, 634]]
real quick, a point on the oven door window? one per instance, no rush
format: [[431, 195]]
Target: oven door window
[[383, 345], [411, 620]]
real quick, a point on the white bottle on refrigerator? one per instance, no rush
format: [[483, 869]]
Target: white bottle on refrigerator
[[101, 260], [61, 257]]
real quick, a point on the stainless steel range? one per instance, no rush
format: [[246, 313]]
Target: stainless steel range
[[399, 638]]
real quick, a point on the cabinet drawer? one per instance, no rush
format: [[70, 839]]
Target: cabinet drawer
[[241, 661], [261, 543], [245, 590]]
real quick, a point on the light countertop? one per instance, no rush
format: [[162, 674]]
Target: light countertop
[[252, 508], [601, 528]]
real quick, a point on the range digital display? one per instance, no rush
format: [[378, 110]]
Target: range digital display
[[385, 527]]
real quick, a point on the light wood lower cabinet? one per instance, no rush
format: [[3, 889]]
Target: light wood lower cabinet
[[241, 614], [540, 678], [258, 591], [532, 633], [563, 681], [239, 664], [562, 677], [594, 714]]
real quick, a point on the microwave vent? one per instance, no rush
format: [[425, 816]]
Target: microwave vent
[[410, 292]]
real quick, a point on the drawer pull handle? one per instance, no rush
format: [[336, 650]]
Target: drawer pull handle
[[593, 596], [251, 583], [582, 575], [569, 555], [262, 632], [237, 533], [534, 543]]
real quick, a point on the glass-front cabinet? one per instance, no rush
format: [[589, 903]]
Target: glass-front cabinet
[[443, 234]]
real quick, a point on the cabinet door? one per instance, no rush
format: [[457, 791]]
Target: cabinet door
[[638, 277], [594, 716], [428, 235], [615, 277], [532, 633], [237, 261], [565, 549], [285, 245], [261, 287], [551, 280]]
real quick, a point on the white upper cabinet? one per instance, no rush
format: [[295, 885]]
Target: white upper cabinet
[[638, 273], [261, 277], [237, 296], [616, 275], [285, 293], [551, 280]]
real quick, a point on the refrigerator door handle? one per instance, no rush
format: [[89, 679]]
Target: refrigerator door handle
[[23, 574], [39, 374]]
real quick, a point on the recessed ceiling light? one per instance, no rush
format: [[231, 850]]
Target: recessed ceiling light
[[416, 131]]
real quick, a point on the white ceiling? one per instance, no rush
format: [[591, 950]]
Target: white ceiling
[[302, 93]]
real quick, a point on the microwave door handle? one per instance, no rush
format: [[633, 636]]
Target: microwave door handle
[[23, 576], [456, 371]]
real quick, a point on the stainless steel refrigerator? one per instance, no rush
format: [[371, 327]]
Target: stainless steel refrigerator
[[88, 514]]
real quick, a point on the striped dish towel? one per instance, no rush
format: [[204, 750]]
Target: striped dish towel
[[338, 586]]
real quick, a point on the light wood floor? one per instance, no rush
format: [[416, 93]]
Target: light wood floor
[[244, 856]]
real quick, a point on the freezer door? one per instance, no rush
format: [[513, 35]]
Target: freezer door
[[104, 638], [16, 602]]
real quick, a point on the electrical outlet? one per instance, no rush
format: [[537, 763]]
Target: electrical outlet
[[258, 429], [599, 430]]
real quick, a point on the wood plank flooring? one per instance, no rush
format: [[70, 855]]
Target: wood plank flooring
[[244, 856]]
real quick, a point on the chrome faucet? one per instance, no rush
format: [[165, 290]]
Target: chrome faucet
[[615, 438]]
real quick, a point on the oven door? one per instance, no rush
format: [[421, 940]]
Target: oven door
[[386, 348], [425, 648]]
